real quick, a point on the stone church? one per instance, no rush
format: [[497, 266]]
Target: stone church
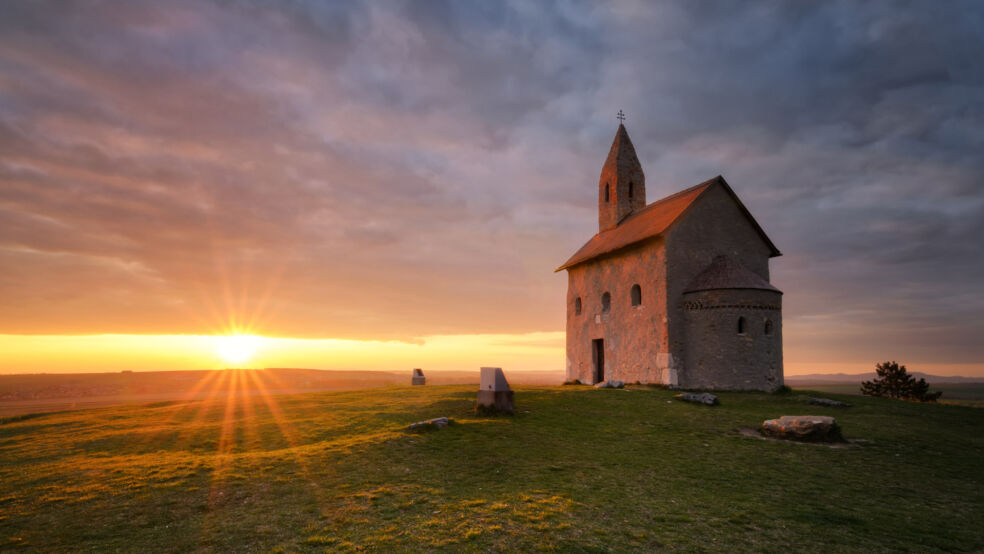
[[675, 292]]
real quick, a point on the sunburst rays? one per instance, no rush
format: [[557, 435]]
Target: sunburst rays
[[185, 402], [235, 395], [286, 429], [226, 440]]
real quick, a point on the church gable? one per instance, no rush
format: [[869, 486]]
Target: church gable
[[715, 224], [742, 210]]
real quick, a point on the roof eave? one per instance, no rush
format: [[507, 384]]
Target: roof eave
[[608, 253]]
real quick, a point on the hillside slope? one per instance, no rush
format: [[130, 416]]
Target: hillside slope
[[576, 469]]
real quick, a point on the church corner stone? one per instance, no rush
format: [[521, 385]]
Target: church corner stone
[[675, 292]]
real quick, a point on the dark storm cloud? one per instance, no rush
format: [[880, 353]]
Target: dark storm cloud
[[403, 169]]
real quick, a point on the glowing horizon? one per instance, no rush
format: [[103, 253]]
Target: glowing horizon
[[116, 352], [515, 352]]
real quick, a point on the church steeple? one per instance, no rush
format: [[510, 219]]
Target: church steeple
[[622, 187]]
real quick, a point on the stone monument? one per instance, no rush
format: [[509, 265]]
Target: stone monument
[[494, 396], [418, 377]]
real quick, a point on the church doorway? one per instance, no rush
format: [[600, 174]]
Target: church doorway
[[598, 351]]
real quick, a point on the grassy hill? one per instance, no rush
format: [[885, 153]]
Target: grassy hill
[[576, 469]]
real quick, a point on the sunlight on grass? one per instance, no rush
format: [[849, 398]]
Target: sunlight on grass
[[575, 469]]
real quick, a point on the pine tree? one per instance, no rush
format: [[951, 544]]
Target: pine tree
[[894, 381]]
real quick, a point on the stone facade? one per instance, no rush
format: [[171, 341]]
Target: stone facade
[[700, 262], [637, 355]]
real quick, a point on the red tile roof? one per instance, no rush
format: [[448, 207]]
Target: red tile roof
[[652, 221], [726, 273]]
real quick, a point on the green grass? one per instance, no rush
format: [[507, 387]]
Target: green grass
[[577, 469]]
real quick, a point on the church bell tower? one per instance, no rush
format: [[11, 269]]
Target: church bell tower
[[622, 186]]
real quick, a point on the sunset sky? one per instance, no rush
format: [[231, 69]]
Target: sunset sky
[[389, 185]]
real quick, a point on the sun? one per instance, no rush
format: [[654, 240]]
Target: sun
[[237, 349]]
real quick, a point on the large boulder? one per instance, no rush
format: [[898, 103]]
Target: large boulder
[[705, 398], [803, 428]]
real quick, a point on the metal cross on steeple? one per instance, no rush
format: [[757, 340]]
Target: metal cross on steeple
[[620, 117]]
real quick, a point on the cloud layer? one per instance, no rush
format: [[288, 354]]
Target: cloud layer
[[397, 170]]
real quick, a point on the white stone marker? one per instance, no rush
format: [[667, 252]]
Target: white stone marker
[[494, 394], [494, 379]]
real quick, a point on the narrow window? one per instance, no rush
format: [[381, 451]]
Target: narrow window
[[577, 306], [606, 302], [630, 189], [606, 192], [741, 326], [768, 327], [636, 295]]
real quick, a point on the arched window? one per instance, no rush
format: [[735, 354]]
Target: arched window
[[606, 192], [636, 295], [630, 189], [606, 302], [768, 327], [741, 326], [577, 306]]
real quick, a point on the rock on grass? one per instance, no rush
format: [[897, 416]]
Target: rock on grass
[[430, 424], [803, 428], [705, 398]]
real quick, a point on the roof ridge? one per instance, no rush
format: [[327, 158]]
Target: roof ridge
[[662, 200]]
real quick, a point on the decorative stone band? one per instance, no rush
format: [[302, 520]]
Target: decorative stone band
[[694, 306]]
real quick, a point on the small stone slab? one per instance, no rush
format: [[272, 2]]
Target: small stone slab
[[829, 402], [430, 424], [494, 395], [803, 428], [494, 379], [704, 398], [612, 384], [418, 377]]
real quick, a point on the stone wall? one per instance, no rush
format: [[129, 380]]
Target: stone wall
[[713, 226], [635, 336], [718, 356]]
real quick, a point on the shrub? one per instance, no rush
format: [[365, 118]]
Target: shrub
[[893, 381]]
